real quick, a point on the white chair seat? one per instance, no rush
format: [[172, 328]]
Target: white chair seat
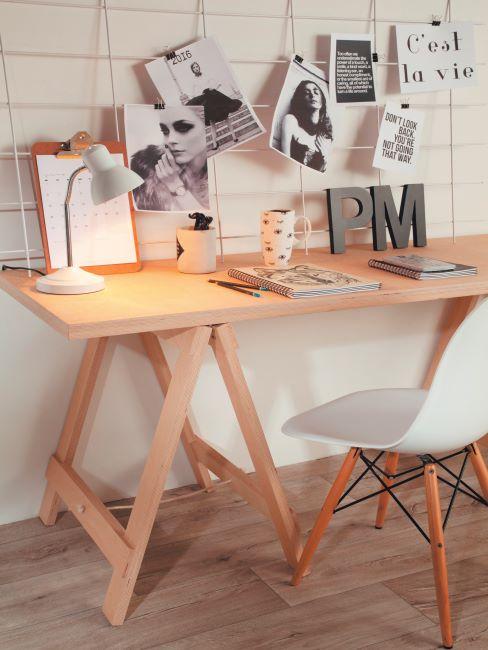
[[370, 419]]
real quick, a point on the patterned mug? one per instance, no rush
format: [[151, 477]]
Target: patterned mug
[[278, 236]]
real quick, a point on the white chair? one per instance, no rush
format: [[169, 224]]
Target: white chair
[[452, 414]]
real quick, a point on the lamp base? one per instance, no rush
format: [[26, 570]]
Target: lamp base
[[70, 280]]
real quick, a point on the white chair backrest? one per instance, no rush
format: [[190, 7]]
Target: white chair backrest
[[455, 412]]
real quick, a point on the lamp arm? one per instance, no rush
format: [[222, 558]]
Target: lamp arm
[[69, 247]]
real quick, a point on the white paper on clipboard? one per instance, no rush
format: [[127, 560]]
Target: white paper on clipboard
[[101, 234]]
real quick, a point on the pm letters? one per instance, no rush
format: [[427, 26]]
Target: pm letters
[[378, 206]]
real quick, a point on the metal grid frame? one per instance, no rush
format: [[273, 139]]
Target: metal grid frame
[[28, 254]]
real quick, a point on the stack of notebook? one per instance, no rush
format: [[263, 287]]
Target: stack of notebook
[[303, 280], [422, 268]]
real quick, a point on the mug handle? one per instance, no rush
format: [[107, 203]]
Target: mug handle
[[307, 231]]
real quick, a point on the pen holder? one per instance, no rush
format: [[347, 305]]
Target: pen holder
[[196, 250]]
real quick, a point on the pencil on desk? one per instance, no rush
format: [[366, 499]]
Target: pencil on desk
[[238, 284], [228, 285]]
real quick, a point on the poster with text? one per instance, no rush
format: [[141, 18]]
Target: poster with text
[[302, 128], [200, 75], [435, 57], [351, 69], [399, 138]]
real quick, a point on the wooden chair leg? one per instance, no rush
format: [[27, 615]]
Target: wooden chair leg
[[456, 311], [438, 549], [159, 460], [162, 370], [325, 514], [390, 468], [479, 467], [75, 418]]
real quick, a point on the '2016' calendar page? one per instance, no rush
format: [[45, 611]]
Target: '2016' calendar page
[[101, 234]]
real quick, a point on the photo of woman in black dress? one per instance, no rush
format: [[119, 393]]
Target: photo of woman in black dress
[[306, 131], [199, 74], [302, 127], [218, 106]]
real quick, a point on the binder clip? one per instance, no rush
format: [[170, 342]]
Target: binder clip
[[170, 55], [74, 147], [405, 104], [298, 59], [374, 57], [159, 104], [436, 21]]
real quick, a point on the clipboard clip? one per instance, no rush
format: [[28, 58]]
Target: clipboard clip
[[159, 104], [74, 147], [436, 21]]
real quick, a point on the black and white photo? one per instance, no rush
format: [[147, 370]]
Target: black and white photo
[[167, 148], [302, 126], [200, 75]]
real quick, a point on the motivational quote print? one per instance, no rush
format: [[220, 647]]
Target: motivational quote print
[[399, 138], [352, 72]]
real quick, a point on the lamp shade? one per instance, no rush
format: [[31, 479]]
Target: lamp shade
[[109, 180]]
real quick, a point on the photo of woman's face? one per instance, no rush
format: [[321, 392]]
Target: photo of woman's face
[[183, 133], [312, 96]]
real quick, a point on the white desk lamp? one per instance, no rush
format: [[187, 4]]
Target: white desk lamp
[[109, 180]]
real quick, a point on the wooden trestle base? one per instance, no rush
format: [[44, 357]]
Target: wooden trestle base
[[123, 547]]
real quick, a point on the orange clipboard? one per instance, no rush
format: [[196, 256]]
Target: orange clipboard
[[52, 148]]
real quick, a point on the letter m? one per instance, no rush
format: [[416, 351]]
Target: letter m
[[385, 215]]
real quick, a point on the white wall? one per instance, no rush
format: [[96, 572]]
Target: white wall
[[291, 363]]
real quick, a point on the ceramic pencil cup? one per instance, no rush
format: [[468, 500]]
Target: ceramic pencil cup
[[196, 250], [278, 236]]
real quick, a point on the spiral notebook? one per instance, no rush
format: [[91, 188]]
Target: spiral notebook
[[303, 280], [418, 267]]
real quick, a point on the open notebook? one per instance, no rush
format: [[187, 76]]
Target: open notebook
[[302, 280]]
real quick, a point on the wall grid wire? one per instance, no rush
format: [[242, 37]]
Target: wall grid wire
[[292, 17]]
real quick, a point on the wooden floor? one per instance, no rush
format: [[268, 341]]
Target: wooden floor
[[214, 578]]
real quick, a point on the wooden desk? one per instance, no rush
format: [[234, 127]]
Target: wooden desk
[[186, 309]]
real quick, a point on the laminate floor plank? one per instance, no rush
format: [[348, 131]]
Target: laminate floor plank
[[336, 568], [323, 623], [214, 576], [470, 633], [468, 589], [167, 614], [46, 553]]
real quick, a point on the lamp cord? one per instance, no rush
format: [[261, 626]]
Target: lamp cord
[[22, 268]]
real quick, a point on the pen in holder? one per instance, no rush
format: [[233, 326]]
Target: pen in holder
[[196, 246]]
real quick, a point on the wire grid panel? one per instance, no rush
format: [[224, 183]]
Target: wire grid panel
[[61, 81]]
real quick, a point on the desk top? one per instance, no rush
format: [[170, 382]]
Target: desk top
[[160, 298]]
